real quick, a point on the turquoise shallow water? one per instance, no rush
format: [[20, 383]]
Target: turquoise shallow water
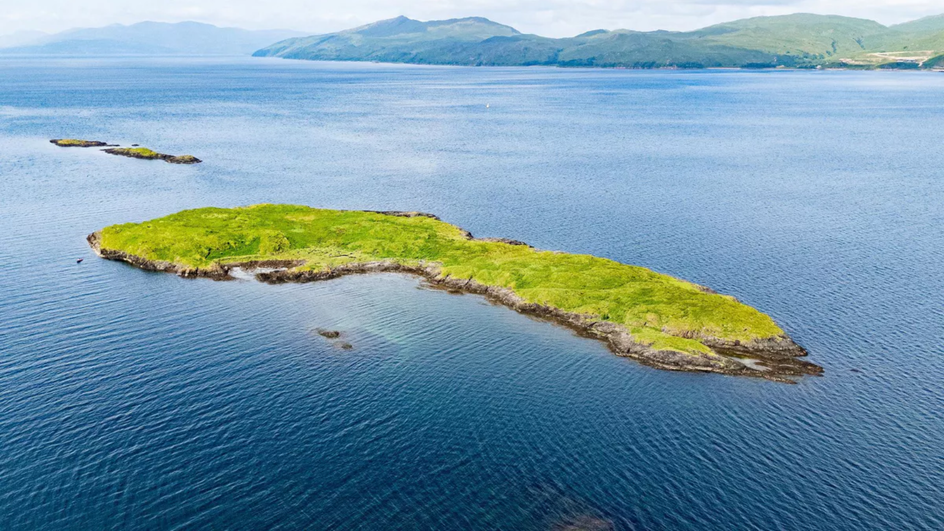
[[131, 400]]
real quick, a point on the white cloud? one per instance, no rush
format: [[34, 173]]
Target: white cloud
[[546, 17]]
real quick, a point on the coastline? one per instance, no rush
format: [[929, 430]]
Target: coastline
[[778, 68], [774, 358]]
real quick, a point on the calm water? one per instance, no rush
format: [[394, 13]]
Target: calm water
[[131, 400]]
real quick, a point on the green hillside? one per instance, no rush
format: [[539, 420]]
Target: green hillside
[[656, 49], [933, 24], [800, 34], [799, 40], [935, 62], [926, 34], [396, 40]]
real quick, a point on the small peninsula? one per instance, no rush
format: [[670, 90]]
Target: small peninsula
[[657, 319], [75, 142], [148, 154]]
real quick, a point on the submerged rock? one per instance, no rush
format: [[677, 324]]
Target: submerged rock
[[584, 523]]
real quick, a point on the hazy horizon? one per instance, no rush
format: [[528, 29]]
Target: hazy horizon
[[552, 18]]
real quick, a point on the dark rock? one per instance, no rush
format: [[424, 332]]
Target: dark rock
[[404, 214], [183, 159], [706, 289], [509, 241]]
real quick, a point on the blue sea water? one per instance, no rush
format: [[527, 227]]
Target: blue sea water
[[133, 400]]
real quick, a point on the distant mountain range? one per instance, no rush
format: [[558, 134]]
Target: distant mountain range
[[145, 38], [800, 40]]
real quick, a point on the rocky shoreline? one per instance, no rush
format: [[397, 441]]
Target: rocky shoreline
[[774, 359]]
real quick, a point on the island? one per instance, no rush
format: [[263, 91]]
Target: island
[[656, 319], [75, 142], [148, 154]]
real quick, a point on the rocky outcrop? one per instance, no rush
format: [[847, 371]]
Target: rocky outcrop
[[509, 241], [404, 214], [775, 358], [183, 159], [216, 271], [139, 153]]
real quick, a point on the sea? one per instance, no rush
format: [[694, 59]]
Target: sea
[[142, 401]]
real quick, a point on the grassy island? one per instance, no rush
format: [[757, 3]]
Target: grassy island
[[149, 154], [75, 142], [658, 319]]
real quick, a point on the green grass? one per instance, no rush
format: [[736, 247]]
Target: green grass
[[656, 308], [142, 151], [76, 142]]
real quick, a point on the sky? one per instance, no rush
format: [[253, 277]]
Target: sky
[[552, 18]]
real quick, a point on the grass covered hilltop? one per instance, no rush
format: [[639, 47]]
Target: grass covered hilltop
[[657, 319]]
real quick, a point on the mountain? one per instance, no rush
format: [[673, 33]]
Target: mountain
[[20, 38], [801, 34], [149, 38], [799, 40], [922, 34], [396, 40], [479, 41], [934, 24]]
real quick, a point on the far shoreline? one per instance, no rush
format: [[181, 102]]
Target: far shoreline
[[248, 59]]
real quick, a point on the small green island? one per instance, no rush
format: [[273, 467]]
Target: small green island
[[76, 142], [148, 154], [654, 318]]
